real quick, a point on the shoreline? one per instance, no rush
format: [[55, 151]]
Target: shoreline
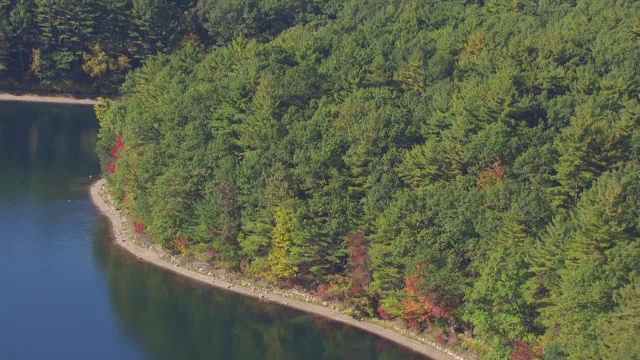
[[54, 99], [155, 255]]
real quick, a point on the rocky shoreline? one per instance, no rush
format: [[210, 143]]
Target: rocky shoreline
[[145, 250]]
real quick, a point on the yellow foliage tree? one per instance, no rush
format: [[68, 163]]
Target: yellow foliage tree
[[281, 258], [97, 63]]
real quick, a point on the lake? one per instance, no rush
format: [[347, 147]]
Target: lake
[[67, 292]]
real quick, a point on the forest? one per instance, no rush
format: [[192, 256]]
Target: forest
[[88, 46], [468, 168]]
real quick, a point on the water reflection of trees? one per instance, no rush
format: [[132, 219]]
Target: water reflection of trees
[[173, 318], [42, 146]]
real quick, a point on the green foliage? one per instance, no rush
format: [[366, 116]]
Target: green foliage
[[42, 42], [484, 152], [4, 27], [497, 308], [620, 329], [282, 255], [97, 64], [595, 141], [4, 51], [601, 255]]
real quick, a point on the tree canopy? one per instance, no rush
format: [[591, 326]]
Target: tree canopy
[[467, 167]]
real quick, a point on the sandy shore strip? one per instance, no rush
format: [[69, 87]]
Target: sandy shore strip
[[56, 99], [155, 255]]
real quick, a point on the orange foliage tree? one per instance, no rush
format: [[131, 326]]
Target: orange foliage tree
[[421, 309]]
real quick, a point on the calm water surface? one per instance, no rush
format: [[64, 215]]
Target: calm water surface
[[67, 293]]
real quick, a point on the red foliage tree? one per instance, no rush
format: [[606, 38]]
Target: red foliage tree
[[323, 291], [384, 314], [138, 226], [358, 261], [119, 146], [492, 174], [351, 287], [420, 309], [289, 284], [115, 155], [524, 351], [111, 168], [181, 244]]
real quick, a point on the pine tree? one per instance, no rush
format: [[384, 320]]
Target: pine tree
[[112, 26], [262, 128], [497, 306], [4, 27], [620, 330], [80, 18], [594, 142], [602, 217], [601, 258], [155, 27], [426, 164], [379, 74], [547, 261], [412, 75], [23, 30], [360, 156], [4, 51]]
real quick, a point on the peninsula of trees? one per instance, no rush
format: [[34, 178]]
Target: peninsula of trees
[[467, 167]]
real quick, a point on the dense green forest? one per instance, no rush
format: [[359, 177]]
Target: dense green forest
[[89, 45], [469, 168]]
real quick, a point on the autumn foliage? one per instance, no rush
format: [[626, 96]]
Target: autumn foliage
[[351, 288], [115, 155], [421, 309], [384, 314], [323, 291], [358, 258], [181, 244], [493, 174], [138, 227], [525, 351]]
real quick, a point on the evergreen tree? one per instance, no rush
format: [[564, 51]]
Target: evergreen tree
[[620, 329], [594, 142], [156, 28], [4, 51], [498, 308], [602, 255], [4, 27], [23, 31]]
